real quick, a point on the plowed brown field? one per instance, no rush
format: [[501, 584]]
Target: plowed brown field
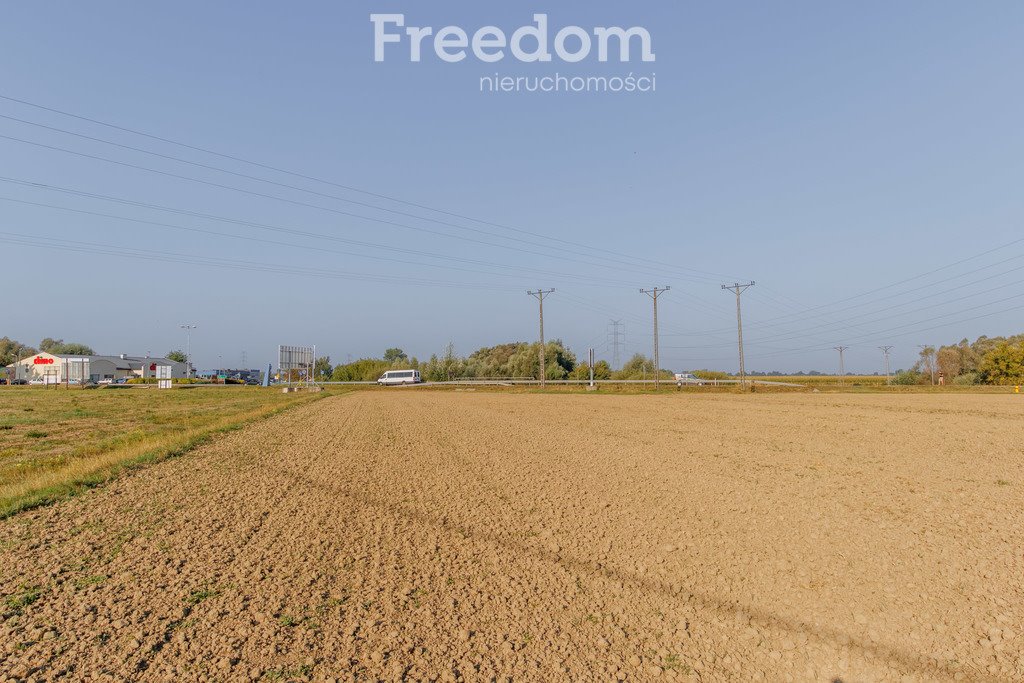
[[413, 534]]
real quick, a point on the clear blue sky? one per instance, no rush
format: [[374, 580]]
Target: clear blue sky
[[821, 149]]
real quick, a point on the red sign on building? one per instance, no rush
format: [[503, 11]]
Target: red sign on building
[[39, 360]]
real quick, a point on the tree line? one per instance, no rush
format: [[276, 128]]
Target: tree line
[[986, 360], [513, 360], [11, 351]]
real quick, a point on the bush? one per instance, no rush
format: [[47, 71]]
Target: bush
[[710, 374], [176, 380], [967, 379], [364, 370], [907, 378]]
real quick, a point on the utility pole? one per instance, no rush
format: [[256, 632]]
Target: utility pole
[[539, 296], [842, 368], [616, 344], [654, 293], [739, 289], [928, 352], [188, 348], [885, 352]]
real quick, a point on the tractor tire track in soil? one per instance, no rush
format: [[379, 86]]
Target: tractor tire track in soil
[[426, 535]]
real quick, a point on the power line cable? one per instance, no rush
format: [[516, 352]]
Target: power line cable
[[675, 267], [327, 209], [517, 274], [835, 327], [174, 257]]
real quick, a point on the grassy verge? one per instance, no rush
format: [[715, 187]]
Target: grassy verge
[[57, 443]]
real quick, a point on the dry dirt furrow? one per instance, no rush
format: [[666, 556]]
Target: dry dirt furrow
[[410, 535]]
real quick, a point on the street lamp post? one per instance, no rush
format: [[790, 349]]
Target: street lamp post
[[188, 348]]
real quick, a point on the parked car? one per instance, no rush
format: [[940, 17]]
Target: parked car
[[688, 378]]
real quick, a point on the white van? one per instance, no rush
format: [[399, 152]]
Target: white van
[[400, 377]]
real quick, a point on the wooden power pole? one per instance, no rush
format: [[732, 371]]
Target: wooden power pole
[[539, 295], [739, 289]]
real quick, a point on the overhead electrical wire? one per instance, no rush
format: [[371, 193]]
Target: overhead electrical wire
[[886, 334], [294, 245], [1001, 247], [320, 207], [805, 332], [575, 246], [790, 319], [51, 242]]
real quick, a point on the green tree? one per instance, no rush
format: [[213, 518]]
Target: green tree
[[177, 356], [11, 351], [431, 370], [451, 364], [75, 349], [322, 369], [1004, 364], [640, 367], [558, 360], [637, 367], [395, 355], [493, 361], [49, 345], [362, 370], [581, 371], [601, 371]]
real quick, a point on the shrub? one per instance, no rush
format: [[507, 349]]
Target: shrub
[[906, 378], [176, 380], [710, 374], [967, 379]]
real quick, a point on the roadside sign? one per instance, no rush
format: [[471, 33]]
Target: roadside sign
[[163, 377]]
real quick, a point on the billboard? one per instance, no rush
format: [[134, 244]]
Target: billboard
[[295, 363], [76, 370]]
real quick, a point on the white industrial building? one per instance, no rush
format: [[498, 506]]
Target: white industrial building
[[56, 368]]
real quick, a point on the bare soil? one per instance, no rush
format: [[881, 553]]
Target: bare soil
[[409, 535]]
